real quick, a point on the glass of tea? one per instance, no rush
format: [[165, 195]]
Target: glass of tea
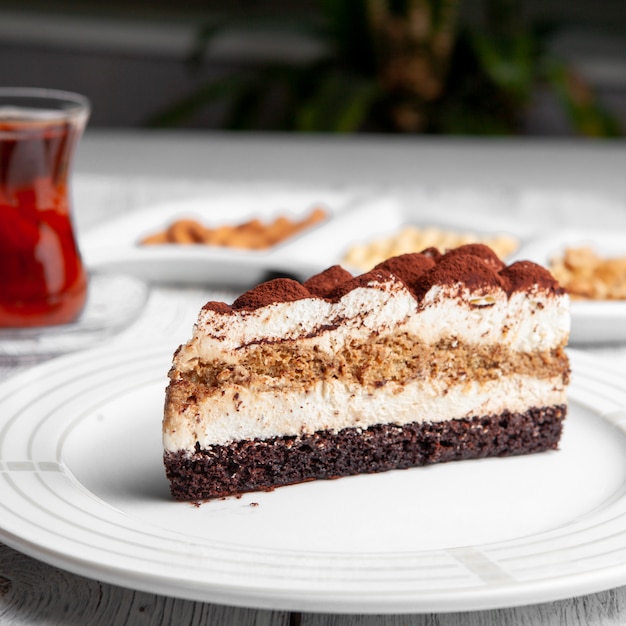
[[42, 278]]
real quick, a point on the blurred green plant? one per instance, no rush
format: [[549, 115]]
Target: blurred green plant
[[403, 66]]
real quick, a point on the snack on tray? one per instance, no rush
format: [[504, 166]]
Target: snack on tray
[[410, 238], [584, 274], [427, 358], [253, 234]]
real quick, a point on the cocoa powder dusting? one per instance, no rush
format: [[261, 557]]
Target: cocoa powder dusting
[[464, 269], [376, 275], [277, 290], [217, 307], [326, 282], [407, 267], [474, 266], [522, 275], [431, 252], [481, 251]]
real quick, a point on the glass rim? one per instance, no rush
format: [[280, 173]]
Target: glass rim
[[58, 100]]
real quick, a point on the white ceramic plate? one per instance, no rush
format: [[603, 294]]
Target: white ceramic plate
[[592, 321], [113, 245], [82, 487]]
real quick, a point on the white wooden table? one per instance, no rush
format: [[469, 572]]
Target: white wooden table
[[118, 172]]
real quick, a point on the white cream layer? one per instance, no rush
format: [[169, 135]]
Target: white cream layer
[[524, 322], [220, 420]]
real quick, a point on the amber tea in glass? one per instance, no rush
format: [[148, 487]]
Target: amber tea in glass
[[42, 278]]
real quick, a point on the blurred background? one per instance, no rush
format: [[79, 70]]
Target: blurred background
[[447, 67]]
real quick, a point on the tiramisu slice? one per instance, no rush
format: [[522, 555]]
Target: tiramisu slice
[[427, 358]]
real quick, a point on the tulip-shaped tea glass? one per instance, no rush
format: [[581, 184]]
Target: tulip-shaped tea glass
[[42, 279]]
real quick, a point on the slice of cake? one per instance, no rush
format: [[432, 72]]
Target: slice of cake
[[427, 358]]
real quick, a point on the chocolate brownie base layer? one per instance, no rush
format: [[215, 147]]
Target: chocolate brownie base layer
[[262, 465]]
